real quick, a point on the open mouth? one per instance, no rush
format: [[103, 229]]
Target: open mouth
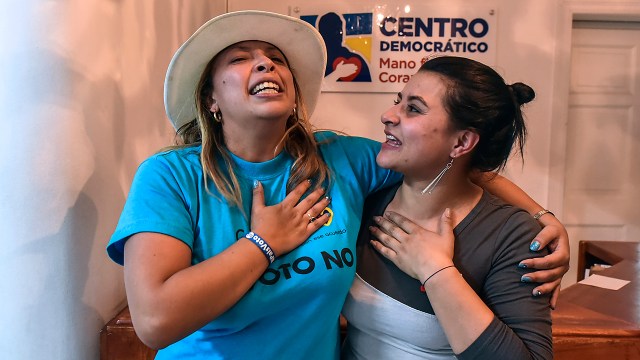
[[266, 87], [393, 141]]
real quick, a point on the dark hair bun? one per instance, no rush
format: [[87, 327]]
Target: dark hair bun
[[522, 92]]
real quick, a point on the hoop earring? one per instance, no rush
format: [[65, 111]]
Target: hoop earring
[[217, 116], [432, 185], [295, 113]]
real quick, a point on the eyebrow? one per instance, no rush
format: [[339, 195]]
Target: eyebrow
[[419, 99]]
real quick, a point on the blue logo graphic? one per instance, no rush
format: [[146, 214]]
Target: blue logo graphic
[[349, 41]]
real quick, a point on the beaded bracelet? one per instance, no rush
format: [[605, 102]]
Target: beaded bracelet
[[262, 245], [422, 289]]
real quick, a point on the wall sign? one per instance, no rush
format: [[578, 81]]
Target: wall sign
[[378, 48]]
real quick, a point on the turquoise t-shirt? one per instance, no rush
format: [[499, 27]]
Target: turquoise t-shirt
[[292, 310]]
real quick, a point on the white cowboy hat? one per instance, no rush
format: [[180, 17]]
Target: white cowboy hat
[[299, 41]]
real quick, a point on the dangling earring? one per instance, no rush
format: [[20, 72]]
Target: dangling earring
[[436, 180], [217, 116], [295, 113]]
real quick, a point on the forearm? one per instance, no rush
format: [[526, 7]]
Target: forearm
[[170, 304], [506, 190], [498, 343], [461, 313], [474, 331], [521, 328]]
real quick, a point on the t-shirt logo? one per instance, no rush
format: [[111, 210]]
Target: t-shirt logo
[[327, 209]]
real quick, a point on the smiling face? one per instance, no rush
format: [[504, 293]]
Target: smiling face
[[420, 137], [252, 80]]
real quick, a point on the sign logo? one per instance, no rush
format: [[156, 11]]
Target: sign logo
[[378, 48], [348, 38]]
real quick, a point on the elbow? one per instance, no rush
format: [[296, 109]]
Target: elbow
[[154, 332], [152, 342]]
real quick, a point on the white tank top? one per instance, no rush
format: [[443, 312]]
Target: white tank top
[[380, 327]]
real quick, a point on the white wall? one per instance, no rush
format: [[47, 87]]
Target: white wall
[[81, 96]]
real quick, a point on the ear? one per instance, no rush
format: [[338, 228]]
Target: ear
[[466, 141], [213, 106]]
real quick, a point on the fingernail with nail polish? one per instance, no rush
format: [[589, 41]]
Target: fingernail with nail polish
[[522, 266], [537, 293], [534, 246], [525, 279]]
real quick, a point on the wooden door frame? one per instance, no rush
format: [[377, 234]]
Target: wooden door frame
[[570, 10]]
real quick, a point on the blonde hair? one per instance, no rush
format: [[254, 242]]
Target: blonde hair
[[298, 141]]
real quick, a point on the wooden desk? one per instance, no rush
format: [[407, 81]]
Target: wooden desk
[[596, 323], [118, 341]]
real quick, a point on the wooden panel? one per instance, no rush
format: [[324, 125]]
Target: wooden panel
[[595, 323], [594, 348], [118, 340]]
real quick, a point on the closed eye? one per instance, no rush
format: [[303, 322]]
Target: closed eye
[[236, 60]]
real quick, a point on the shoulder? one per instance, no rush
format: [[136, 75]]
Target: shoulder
[[179, 165], [327, 138], [353, 158], [353, 149], [512, 214], [343, 152], [177, 155], [500, 224], [514, 227], [174, 158]]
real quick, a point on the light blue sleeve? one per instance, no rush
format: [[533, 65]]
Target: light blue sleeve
[[357, 154], [156, 203]]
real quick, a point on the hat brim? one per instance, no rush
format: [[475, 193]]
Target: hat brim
[[299, 42]]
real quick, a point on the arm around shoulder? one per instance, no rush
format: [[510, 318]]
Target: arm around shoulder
[[553, 236], [506, 190]]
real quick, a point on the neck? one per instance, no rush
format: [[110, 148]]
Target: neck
[[257, 142], [454, 191]]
